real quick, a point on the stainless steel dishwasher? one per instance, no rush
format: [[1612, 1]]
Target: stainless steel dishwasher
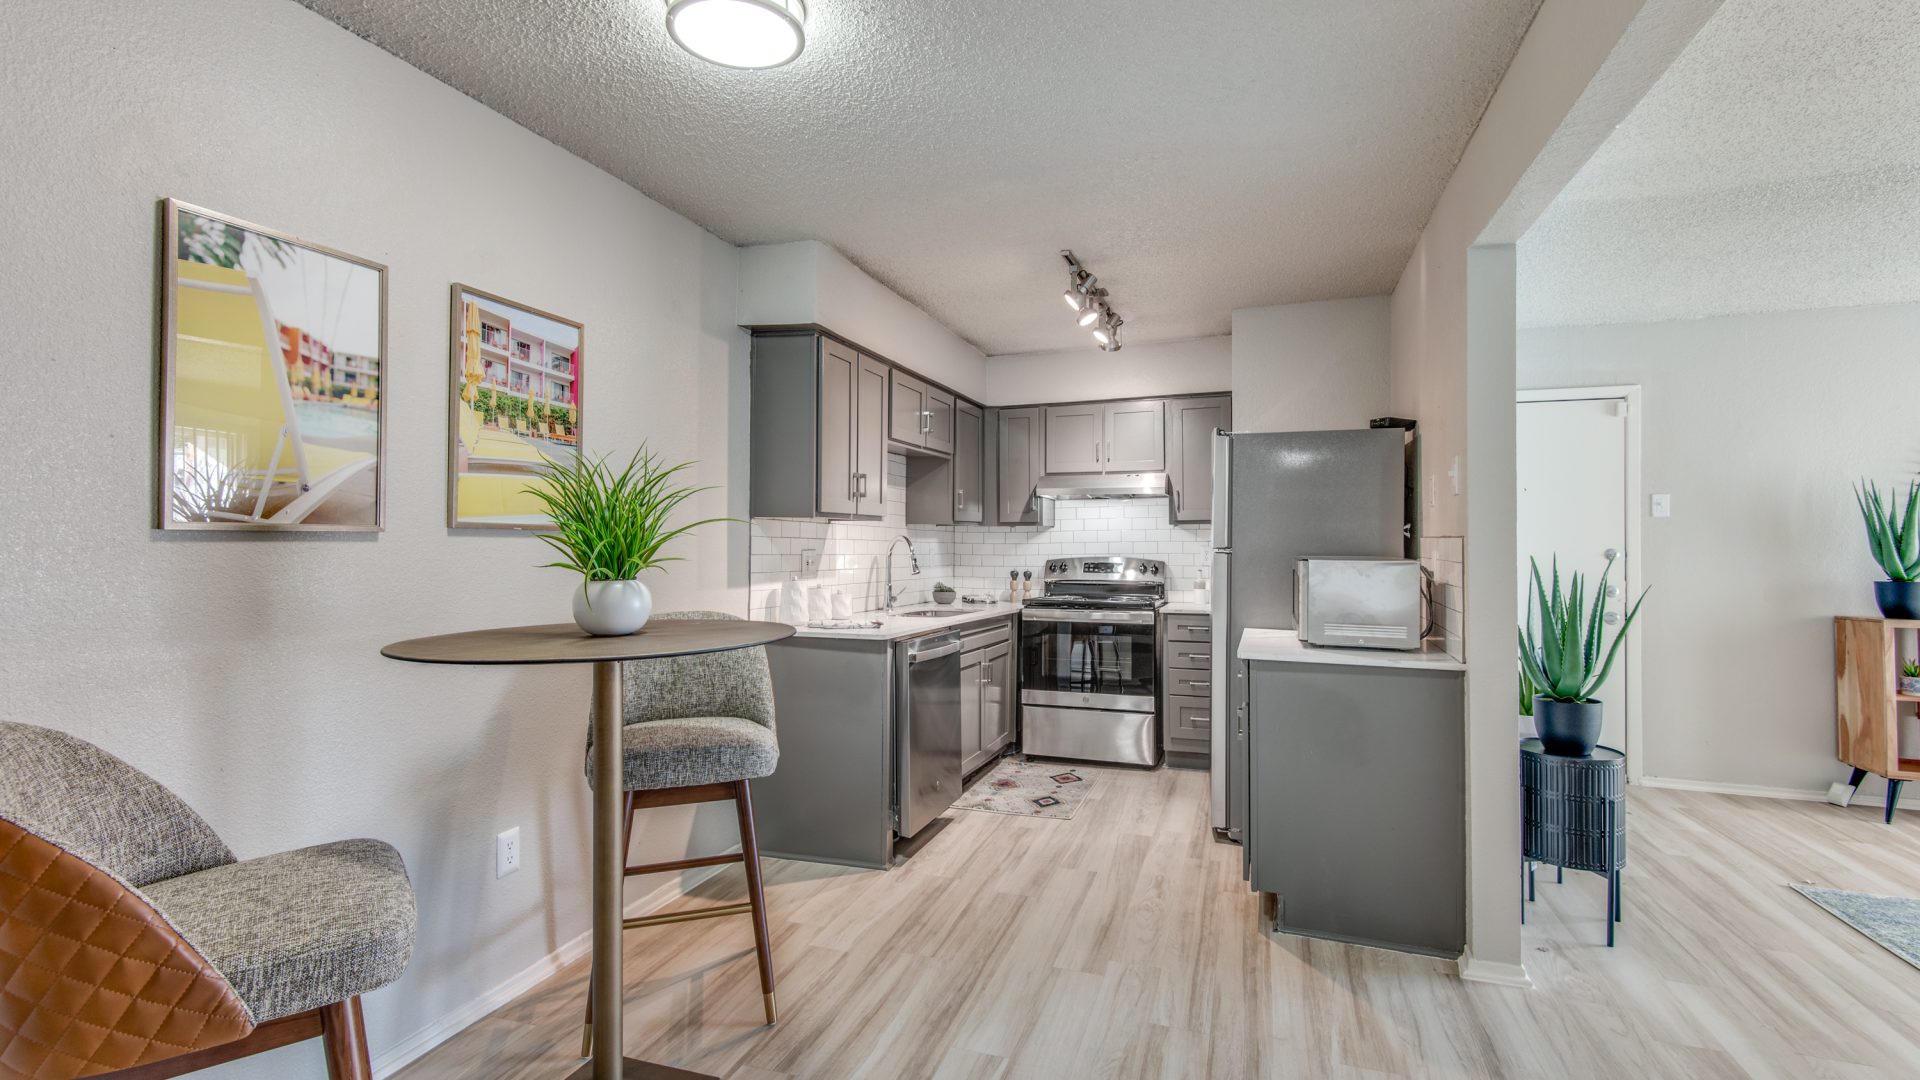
[[928, 714]]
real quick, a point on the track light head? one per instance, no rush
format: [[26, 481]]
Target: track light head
[[1096, 308]]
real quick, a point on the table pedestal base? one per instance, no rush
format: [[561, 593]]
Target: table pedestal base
[[635, 1069]]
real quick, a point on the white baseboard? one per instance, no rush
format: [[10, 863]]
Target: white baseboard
[[1484, 971], [1754, 791], [406, 1051]]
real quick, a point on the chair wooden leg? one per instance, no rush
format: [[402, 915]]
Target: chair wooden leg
[[343, 1035], [750, 848], [626, 855]]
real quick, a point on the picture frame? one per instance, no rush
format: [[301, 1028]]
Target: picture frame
[[273, 357], [516, 396]]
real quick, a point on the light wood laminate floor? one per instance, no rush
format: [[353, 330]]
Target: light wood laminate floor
[[1123, 944]]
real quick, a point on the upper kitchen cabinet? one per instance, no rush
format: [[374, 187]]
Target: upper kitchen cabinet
[[1115, 436], [949, 490], [818, 430], [1190, 426], [1018, 462], [919, 415]]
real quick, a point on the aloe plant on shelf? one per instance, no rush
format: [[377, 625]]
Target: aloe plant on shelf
[[1893, 536], [1566, 657], [608, 528]]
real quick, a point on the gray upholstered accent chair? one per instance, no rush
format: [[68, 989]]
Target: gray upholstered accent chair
[[134, 944], [697, 729]]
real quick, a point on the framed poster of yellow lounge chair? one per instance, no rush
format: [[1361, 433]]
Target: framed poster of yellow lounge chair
[[514, 401], [273, 355]]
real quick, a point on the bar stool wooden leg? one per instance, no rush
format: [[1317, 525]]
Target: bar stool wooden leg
[[750, 848], [343, 1035]]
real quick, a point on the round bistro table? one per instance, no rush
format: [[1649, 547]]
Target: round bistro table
[[565, 643]]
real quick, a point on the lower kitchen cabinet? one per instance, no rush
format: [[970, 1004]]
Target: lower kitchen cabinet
[[1186, 686], [1356, 812], [986, 694]]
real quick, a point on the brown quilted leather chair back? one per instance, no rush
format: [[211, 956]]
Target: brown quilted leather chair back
[[93, 978]]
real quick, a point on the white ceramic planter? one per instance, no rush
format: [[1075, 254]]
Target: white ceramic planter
[[611, 608]]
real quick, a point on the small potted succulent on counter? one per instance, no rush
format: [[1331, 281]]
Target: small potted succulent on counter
[[1910, 678], [1561, 654], [943, 593]]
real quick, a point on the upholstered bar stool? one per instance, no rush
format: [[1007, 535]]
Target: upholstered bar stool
[[134, 945], [697, 729]]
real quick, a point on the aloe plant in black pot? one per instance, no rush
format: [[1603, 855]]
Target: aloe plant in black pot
[[1567, 659], [1893, 535]]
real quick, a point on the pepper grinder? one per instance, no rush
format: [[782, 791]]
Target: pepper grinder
[[1013, 586], [1026, 585]]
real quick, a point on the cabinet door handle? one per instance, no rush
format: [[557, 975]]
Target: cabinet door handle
[[1195, 655], [1109, 456], [959, 499], [926, 421]]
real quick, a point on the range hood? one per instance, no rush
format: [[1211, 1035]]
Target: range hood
[[1142, 485]]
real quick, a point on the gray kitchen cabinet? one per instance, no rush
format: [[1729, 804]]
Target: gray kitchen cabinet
[[1356, 802], [947, 490], [919, 415], [940, 421], [818, 428], [1186, 687], [969, 458], [1076, 437], [1136, 436], [1019, 462], [1115, 436], [906, 409], [1190, 426], [986, 693]]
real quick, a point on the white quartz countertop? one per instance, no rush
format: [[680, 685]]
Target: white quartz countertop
[[898, 627], [1285, 647], [1181, 607]]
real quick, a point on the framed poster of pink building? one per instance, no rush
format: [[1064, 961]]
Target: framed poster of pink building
[[272, 357], [515, 401]]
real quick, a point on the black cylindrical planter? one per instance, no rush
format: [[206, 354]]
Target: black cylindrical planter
[[1898, 599], [1567, 728]]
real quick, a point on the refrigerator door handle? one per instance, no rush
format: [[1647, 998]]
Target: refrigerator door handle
[[1222, 489]]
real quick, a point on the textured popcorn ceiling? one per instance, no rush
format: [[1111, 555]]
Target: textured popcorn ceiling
[[1775, 166], [1199, 156]]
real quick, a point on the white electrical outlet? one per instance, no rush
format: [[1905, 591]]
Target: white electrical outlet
[[506, 852]]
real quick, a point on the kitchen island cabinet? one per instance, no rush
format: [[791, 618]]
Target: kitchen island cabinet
[[1356, 792]]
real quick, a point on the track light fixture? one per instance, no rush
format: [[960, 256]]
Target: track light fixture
[[1089, 301]]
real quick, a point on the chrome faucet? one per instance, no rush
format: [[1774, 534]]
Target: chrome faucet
[[913, 560]]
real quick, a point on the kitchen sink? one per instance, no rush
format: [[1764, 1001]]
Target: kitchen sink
[[932, 613]]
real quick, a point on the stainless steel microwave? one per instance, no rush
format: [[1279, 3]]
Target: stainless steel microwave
[[1366, 603]]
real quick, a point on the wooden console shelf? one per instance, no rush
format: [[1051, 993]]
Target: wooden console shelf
[[1867, 654]]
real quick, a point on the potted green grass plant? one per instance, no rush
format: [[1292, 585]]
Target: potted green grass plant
[[1564, 655], [1893, 535], [608, 528]]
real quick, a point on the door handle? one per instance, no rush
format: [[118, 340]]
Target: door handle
[[1610, 554], [959, 499], [1611, 618], [926, 421]]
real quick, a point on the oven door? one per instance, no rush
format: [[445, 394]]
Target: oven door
[[1087, 659]]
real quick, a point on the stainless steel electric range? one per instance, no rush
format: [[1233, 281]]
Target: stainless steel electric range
[[1087, 663]]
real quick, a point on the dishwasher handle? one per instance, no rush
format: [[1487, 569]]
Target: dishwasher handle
[[934, 652]]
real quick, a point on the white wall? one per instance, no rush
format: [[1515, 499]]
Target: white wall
[[1311, 367], [244, 671], [808, 282], [1195, 366], [1757, 425], [1431, 381]]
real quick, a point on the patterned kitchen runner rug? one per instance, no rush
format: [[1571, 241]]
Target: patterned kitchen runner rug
[[1028, 788], [1892, 921]]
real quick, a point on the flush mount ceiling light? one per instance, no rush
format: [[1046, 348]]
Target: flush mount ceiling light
[[748, 34], [1090, 304]]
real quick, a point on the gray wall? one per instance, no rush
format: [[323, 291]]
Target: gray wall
[[1756, 425], [244, 671]]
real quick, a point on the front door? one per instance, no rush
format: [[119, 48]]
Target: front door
[[1573, 503]]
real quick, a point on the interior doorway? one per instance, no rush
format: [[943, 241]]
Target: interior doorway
[[1577, 456]]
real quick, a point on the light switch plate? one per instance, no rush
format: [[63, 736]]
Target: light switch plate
[[1662, 506]]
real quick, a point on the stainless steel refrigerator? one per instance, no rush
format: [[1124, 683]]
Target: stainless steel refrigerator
[[1276, 497]]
